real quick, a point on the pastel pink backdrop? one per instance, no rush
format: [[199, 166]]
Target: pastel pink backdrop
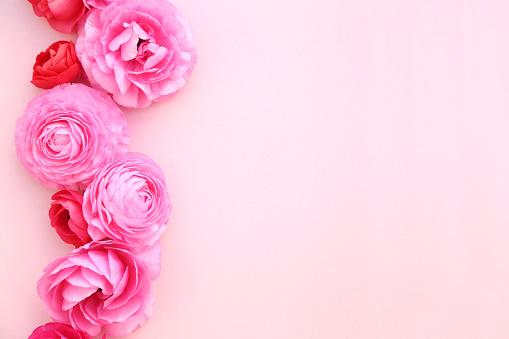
[[338, 169]]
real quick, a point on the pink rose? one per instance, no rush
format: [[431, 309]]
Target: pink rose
[[68, 133], [66, 216], [57, 65], [57, 331], [128, 201], [101, 286], [62, 15], [138, 50]]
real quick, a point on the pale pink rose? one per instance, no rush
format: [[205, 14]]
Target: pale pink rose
[[57, 331], [66, 216], [68, 133], [138, 50], [62, 15], [128, 201], [101, 286]]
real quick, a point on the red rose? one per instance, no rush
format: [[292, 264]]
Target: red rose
[[66, 215], [62, 15], [56, 65]]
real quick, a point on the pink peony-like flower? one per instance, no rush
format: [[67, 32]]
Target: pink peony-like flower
[[57, 65], [68, 133], [62, 15], [57, 331], [138, 50], [102, 286], [128, 201], [66, 216]]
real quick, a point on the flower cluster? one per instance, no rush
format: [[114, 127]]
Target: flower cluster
[[139, 51], [112, 205]]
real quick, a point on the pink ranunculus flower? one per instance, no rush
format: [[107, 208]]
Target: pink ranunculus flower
[[138, 50], [68, 133], [66, 216], [128, 201], [102, 286], [62, 15], [57, 331]]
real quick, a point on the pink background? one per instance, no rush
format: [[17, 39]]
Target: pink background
[[338, 168]]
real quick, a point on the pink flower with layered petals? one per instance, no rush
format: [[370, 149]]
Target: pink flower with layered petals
[[128, 201], [66, 216], [102, 286], [138, 50], [57, 331], [68, 133]]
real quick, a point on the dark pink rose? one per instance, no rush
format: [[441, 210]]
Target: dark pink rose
[[102, 286], [138, 50], [128, 201], [56, 65], [57, 331], [66, 216], [62, 15], [68, 133]]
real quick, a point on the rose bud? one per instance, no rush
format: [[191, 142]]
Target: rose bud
[[66, 216], [62, 15], [56, 65]]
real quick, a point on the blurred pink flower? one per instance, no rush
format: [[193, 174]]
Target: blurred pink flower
[[57, 330], [66, 216], [128, 201], [62, 15], [138, 50], [101, 286], [68, 133]]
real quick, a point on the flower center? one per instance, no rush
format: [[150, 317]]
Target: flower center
[[140, 41], [137, 43], [60, 139], [133, 41]]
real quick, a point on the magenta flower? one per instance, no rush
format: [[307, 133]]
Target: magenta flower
[[57, 331], [128, 201], [68, 133], [101, 286], [138, 50]]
